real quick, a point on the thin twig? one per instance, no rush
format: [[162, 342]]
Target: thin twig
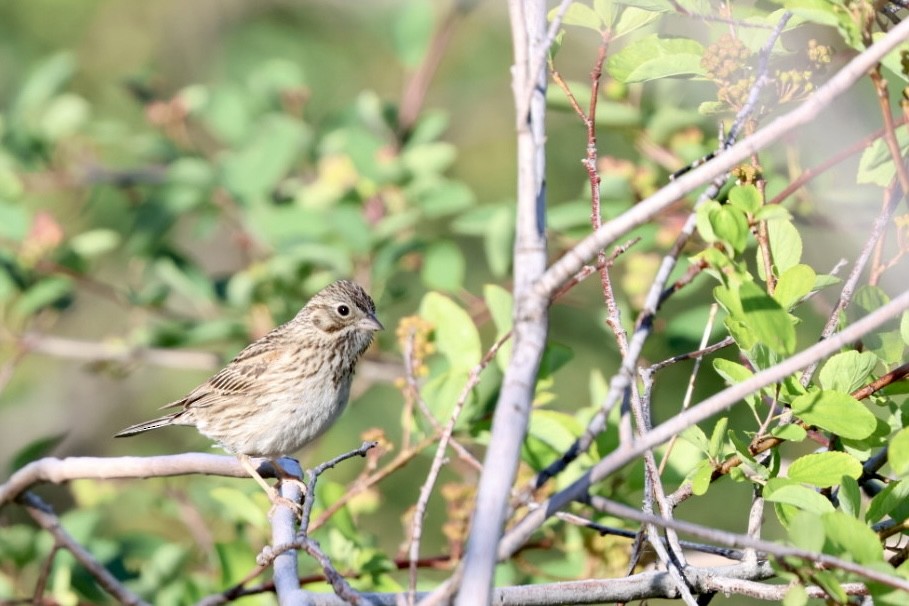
[[313, 475], [42, 513], [574, 259], [362, 484], [849, 286], [689, 390], [743, 541], [706, 409], [437, 461], [555, 275], [809, 174], [571, 518]]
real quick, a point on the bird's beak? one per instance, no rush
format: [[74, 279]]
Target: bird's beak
[[370, 323]]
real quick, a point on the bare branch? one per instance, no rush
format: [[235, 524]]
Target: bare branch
[[44, 516], [743, 541], [283, 530], [709, 407], [528, 24], [58, 471], [439, 458], [574, 259]]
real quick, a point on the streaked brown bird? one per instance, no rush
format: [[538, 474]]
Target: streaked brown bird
[[284, 390]]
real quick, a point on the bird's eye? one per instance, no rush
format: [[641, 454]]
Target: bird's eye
[[343, 311]]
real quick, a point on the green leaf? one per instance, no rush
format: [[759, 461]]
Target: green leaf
[[770, 323], [252, 171], [904, 328], [730, 226], [95, 242], [898, 453], [648, 5], [442, 391], [555, 356], [807, 531], [703, 222], [445, 198], [49, 291], [412, 32], [847, 371], [500, 304], [856, 540], [837, 412], [700, 478], [831, 586], [695, 436], [884, 502], [556, 429], [186, 280], [455, 333], [850, 497], [11, 188], [785, 245], [443, 267], [800, 497], [632, 19], [499, 241], [34, 450], [653, 57], [64, 116], [772, 212], [237, 506], [824, 469], [794, 283], [580, 15], [718, 438], [747, 198], [796, 595], [44, 82], [431, 125], [429, 159], [876, 164], [733, 372], [605, 10], [789, 432]]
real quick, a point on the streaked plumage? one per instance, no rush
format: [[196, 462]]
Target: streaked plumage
[[284, 390]]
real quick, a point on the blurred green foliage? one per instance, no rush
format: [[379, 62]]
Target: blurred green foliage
[[174, 178]]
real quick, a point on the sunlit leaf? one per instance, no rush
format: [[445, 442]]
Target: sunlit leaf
[[835, 411], [455, 333], [853, 537], [653, 57], [824, 469], [847, 371]]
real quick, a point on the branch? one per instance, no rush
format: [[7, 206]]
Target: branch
[[439, 458], [743, 541], [93, 351], [528, 24], [640, 586], [44, 516], [709, 407], [57, 471], [283, 530], [574, 259]]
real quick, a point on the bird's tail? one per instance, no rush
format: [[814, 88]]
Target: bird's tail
[[140, 427]]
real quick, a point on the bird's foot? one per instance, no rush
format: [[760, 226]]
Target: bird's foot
[[277, 500]]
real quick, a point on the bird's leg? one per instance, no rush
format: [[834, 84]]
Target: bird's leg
[[284, 475], [273, 495]]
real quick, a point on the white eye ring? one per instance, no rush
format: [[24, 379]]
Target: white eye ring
[[343, 310]]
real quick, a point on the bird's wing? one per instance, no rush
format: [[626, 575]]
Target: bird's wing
[[238, 377]]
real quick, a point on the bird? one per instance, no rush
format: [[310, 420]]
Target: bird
[[284, 390]]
